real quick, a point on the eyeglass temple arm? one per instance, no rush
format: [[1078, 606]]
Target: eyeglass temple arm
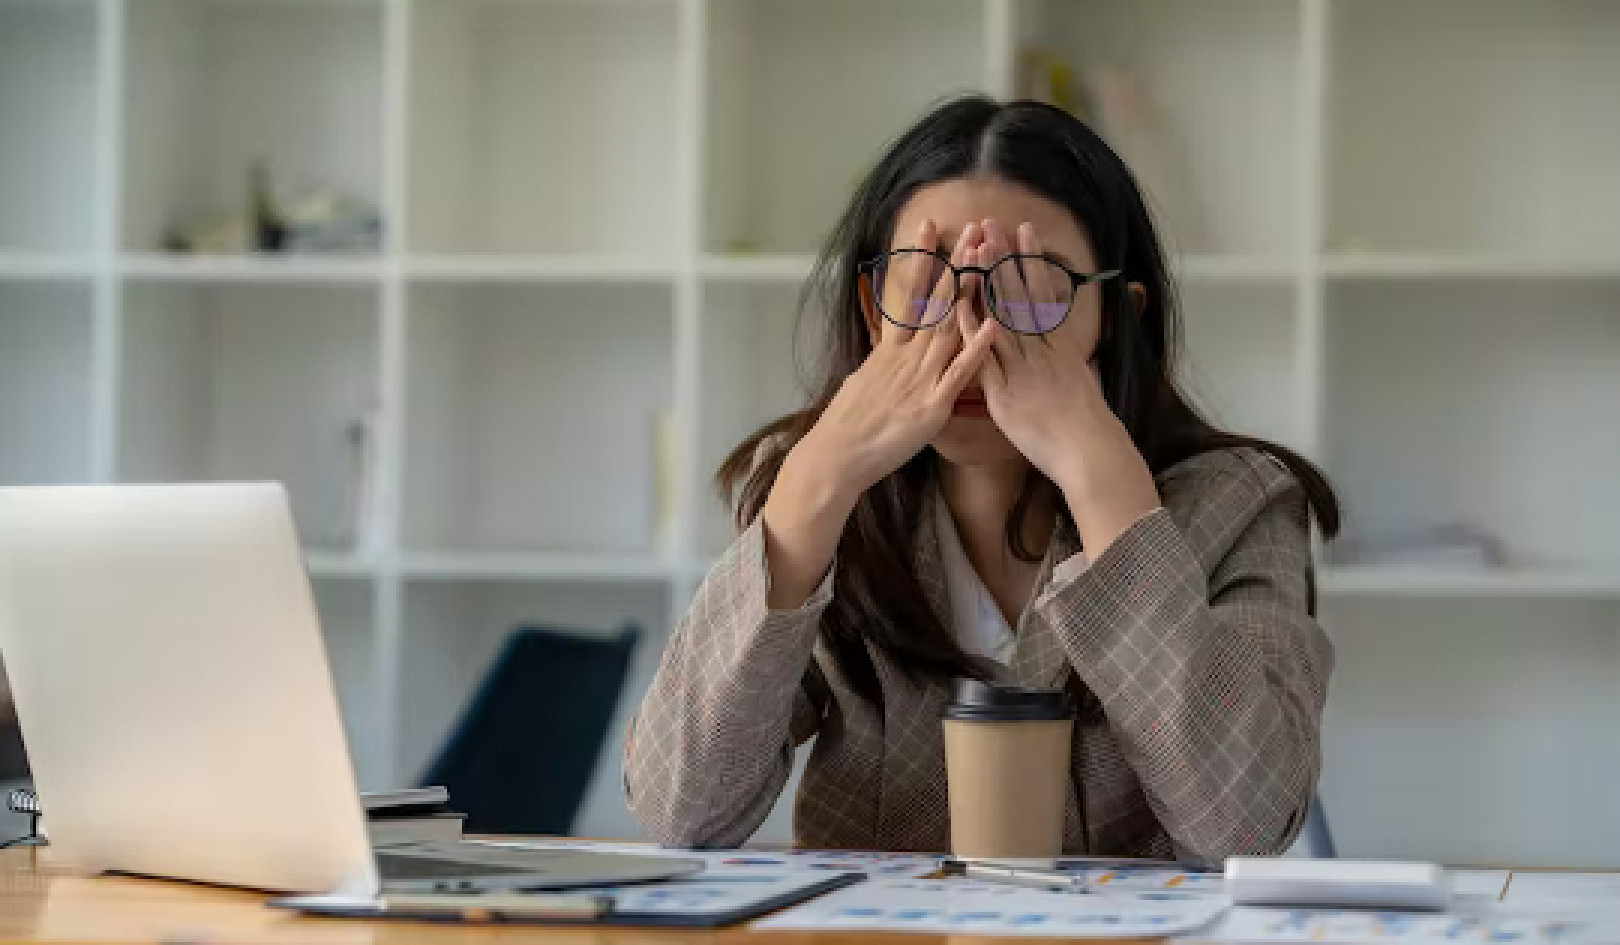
[[1091, 277]]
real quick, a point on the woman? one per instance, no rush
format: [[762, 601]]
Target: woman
[[998, 479]]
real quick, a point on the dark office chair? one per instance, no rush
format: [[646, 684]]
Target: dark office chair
[[521, 757]]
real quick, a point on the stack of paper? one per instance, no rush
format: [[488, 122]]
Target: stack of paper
[[904, 893], [1525, 908], [1138, 908], [862, 861], [1560, 889], [1250, 924]]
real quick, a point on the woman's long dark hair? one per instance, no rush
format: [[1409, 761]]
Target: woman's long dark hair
[[877, 594]]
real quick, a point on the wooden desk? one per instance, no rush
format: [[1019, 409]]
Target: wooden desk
[[39, 904]]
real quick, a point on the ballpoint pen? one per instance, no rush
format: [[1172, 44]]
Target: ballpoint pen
[[1065, 873]]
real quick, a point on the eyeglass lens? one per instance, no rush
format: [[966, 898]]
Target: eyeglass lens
[[1027, 294], [915, 289]]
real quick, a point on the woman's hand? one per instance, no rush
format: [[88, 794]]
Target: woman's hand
[[883, 414], [1045, 395], [901, 396]]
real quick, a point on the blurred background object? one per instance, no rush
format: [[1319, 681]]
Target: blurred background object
[[317, 221], [546, 687], [537, 272]]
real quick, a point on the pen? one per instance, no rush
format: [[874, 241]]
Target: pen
[[1066, 873], [496, 907], [1018, 876]]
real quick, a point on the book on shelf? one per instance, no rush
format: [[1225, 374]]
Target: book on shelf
[[391, 831], [405, 801], [411, 815]]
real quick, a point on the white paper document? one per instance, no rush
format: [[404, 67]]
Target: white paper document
[[1144, 878], [1496, 925], [968, 906], [1478, 886], [1553, 887], [872, 863]]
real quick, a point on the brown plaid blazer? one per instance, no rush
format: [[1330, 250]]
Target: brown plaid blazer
[[1190, 641]]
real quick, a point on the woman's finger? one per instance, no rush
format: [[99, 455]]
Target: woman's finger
[[902, 304], [992, 376], [978, 350], [930, 286], [1010, 282], [1048, 286], [1009, 345], [887, 332], [1053, 298], [947, 335], [944, 341], [966, 252]]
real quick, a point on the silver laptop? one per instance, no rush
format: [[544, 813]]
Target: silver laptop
[[172, 686]]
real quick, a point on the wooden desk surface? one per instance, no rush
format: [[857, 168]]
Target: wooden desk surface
[[40, 904]]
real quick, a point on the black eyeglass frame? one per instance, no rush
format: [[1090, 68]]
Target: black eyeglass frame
[[869, 267]]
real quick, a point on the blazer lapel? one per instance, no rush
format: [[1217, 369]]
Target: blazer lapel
[[929, 560], [1038, 659]]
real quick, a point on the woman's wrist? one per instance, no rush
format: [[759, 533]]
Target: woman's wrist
[[810, 487], [1106, 494], [818, 479], [803, 519]]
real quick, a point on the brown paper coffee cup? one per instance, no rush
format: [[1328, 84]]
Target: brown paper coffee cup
[[1007, 764]]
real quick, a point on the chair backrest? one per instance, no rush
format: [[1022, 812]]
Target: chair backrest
[[520, 758]]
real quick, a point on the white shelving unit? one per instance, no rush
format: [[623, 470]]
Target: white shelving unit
[[1395, 223]]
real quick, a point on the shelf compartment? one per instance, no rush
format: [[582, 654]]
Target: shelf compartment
[[347, 610], [1362, 581], [1447, 714], [214, 86], [802, 97], [767, 268], [256, 382], [1233, 269], [581, 568], [322, 563], [1385, 266], [46, 390], [532, 417], [1509, 148], [41, 267], [1201, 100], [564, 268], [1487, 403], [1239, 356], [547, 126], [748, 376], [258, 269], [453, 630], [48, 77]]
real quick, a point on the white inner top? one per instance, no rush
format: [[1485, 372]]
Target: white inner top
[[976, 621]]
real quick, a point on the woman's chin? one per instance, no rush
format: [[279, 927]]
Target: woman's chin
[[973, 441]]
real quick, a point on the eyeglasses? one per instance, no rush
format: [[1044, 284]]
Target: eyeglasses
[[1029, 293]]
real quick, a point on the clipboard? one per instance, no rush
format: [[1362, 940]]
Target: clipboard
[[708, 900]]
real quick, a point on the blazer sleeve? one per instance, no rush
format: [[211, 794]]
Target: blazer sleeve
[[712, 744], [1212, 676]]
